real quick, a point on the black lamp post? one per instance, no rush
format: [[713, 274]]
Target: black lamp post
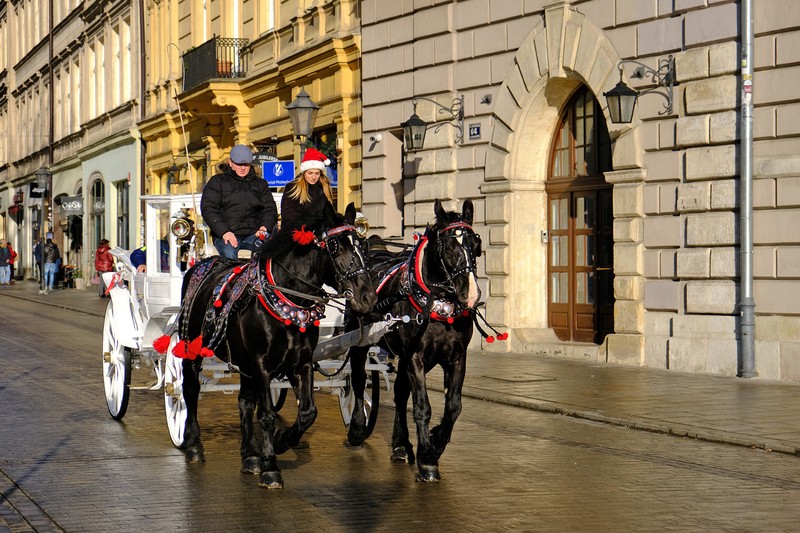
[[302, 113], [43, 176], [414, 128]]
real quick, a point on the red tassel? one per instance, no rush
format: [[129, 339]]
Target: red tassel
[[217, 303], [207, 352], [449, 320], [434, 315], [195, 346], [502, 336], [303, 236], [490, 339], [288, 322], [302, 330], [180, 350], [161, 344], [465, 312], [316, 323]]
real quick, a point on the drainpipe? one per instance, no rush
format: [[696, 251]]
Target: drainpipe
[[746, 302], [142, 114]]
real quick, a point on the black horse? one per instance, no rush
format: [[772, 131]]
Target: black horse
[[261, 317], [435, 283]]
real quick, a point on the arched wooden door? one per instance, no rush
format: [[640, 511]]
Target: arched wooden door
[[580, 225]]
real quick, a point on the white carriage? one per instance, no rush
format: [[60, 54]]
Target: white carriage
[[143, 306]]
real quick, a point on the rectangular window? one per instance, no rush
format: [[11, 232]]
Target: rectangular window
[[123, 215]]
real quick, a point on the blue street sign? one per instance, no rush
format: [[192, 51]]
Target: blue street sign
[[277, 173]]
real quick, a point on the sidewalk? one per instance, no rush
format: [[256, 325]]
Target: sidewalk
[[747, 412]]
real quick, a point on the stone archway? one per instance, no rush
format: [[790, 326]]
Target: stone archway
[[562, 52]]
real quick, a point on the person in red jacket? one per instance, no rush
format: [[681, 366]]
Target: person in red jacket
[[103, 262]]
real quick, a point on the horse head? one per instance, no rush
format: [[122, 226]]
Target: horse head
[[348, 272], [457, 248]]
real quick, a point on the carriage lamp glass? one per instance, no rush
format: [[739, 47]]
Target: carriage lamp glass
[[414, 128], [622, 99], [302, 113]]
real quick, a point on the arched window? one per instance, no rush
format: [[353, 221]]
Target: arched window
[[98, 213], [580, 220]]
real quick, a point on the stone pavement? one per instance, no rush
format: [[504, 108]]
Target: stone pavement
[[748, 412]]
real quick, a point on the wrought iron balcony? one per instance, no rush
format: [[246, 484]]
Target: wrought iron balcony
[[218, 58]]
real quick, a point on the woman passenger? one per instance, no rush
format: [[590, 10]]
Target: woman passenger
[[304, 198]]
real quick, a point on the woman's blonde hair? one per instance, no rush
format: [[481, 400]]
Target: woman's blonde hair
[[300, 191]]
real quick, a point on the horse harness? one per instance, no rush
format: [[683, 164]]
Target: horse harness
[[250, 280], [443, 305]]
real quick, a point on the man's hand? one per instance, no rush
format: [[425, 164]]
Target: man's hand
[[261, 233], [141, 268], [231, 239]]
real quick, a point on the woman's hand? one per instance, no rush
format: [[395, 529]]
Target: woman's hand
[[261, 233]]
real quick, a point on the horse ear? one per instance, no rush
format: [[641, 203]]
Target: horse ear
[[439, 210], [467, 211], [350, 213]]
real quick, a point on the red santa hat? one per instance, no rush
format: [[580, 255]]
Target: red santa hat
[[314, 159]]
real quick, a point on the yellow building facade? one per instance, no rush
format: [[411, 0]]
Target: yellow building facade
[[221, 73]]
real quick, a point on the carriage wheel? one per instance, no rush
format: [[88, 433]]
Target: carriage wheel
[[277, 397], [116, 369], [174, 402], [372, 396]]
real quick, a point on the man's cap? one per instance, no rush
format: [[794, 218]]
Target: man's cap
[[241, 155]]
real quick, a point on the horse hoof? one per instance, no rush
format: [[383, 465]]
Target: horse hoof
[[428, 474], [195, 455], [251, 465], [271, 480], [399, 455]]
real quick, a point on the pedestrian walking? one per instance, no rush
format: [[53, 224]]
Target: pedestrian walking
[[103, 262], [5, 262], [238, 206], [37, 259], [13, 260], [52, 257]]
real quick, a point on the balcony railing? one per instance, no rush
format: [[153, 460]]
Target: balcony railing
[[218, 58]]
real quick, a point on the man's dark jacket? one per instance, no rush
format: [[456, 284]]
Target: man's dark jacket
[[240, 205]]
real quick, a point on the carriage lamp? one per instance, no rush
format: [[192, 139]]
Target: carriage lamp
[[172, 172], [414, 128], [302, 113], [621, 99]]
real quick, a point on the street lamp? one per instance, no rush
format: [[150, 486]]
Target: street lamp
[[302, 113], [43, 176], [414, 128], [622, 99]]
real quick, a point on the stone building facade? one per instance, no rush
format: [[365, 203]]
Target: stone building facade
[[68, 104], [651, 215]]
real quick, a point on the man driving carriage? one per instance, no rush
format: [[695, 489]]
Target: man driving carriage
[[238, 206]]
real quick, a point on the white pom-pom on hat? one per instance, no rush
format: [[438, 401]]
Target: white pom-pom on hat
[[313, 158]]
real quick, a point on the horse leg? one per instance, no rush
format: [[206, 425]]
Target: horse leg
[[402, 450], [427, 461], [250, 450], [303, 384], [192, 447], [356, 433], [453, 383], [270, 473]]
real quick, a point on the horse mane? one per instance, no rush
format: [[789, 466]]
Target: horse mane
[[282, 242]]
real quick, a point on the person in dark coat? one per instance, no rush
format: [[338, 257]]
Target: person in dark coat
[[238, 206], [304, 197], [52, 257], [103, 262]]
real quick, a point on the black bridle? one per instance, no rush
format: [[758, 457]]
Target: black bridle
[[466, 262]]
